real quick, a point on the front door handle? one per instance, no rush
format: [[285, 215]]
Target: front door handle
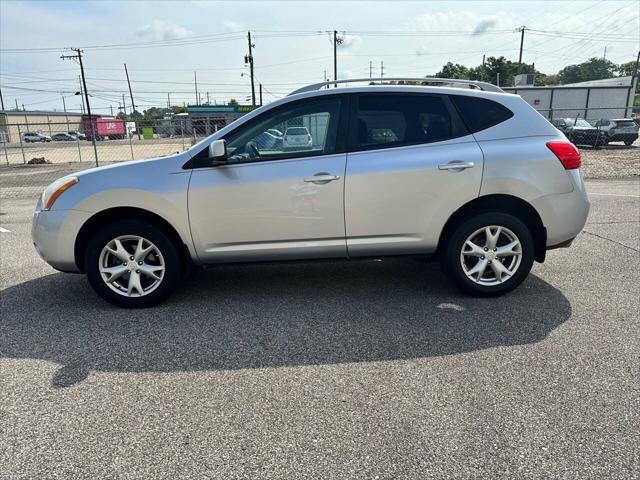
[[322, 178], [456, 166]]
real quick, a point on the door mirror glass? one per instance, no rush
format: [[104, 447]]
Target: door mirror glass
[[218, 151]]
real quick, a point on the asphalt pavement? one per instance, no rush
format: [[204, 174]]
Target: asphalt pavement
[[361, 369]]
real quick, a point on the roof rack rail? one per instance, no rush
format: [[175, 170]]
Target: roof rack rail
[[487, 87]]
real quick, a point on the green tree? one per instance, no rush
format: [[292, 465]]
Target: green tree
[[593, 69], [451, 70], [627, 69], [233, 101]]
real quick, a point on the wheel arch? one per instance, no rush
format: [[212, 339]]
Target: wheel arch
[[503, 203], [104, 217]]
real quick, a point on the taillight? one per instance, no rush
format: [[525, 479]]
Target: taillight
[[567, 153]]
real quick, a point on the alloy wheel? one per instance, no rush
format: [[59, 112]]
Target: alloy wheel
[[131, 266], [491, 255]]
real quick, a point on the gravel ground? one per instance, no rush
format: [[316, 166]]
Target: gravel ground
[[364, 369], [612, 161]]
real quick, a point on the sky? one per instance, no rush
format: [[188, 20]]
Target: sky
[[164, 42]]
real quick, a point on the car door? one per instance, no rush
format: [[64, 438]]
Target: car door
[[411, 164], [271, 204]]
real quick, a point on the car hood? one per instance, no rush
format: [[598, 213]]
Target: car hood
[[584, 129], [169, 162]]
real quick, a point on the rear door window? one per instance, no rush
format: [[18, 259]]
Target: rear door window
[[393, 120], [480, 113]]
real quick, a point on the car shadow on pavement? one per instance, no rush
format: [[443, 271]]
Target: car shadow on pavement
[[271, 315]]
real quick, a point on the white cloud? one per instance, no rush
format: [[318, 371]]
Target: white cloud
[[463, 20], [231, 26], [484, 25], [349, 42], [162, 30]]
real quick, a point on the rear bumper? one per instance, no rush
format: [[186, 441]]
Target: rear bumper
[[54, 234], [564, 215]]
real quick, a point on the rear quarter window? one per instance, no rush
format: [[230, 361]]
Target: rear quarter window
[[479, 113]]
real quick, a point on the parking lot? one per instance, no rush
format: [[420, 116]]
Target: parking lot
[[362, 369]]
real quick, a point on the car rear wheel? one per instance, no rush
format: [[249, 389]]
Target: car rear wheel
[[132, 264], [628, 143], [489, 254]]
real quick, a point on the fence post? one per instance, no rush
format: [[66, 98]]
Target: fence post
[[4, 144], [24, 160], [182, 134], [79, 149], [130, 143]]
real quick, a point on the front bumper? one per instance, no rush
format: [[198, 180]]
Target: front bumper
[[54, 233]]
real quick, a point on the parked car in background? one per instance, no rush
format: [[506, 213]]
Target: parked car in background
[[62, 137], [296, 138], [77, 135], [487, 189], [580, 132], [618, 129], [31, 137], [270, 140]]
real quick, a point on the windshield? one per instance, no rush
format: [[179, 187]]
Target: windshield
[[578, 123], [297, 131]]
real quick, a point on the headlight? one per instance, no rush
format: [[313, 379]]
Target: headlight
[[53, 191]]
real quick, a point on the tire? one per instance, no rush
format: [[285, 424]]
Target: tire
[[628, 143], [458, 266], [158, 276]]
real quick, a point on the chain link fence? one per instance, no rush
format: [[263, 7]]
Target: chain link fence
[[33, 155]]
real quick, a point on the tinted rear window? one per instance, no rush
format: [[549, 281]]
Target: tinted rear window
[[385, 121], [480, 113]]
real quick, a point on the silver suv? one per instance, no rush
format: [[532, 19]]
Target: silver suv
[[464, 172]]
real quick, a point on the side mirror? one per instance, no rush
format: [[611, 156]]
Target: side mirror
[[218, 152]]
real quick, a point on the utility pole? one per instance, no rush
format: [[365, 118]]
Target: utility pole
[[133, 104], [1, 100], [17, 108], [260, 94], [111, 107], [381, 69], [335, 57], [604, 57], [483, 67], [124, 106], [249, 59], [64, 105], [521, 30], [168, 101], [195, 81], [208, 98], [78, 56], [370, 69], [81, 94]]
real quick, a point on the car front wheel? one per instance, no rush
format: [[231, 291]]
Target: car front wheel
[[132, 264], [489, 254]]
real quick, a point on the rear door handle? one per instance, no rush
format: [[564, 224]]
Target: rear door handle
[[322, 178], [456, 166]]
